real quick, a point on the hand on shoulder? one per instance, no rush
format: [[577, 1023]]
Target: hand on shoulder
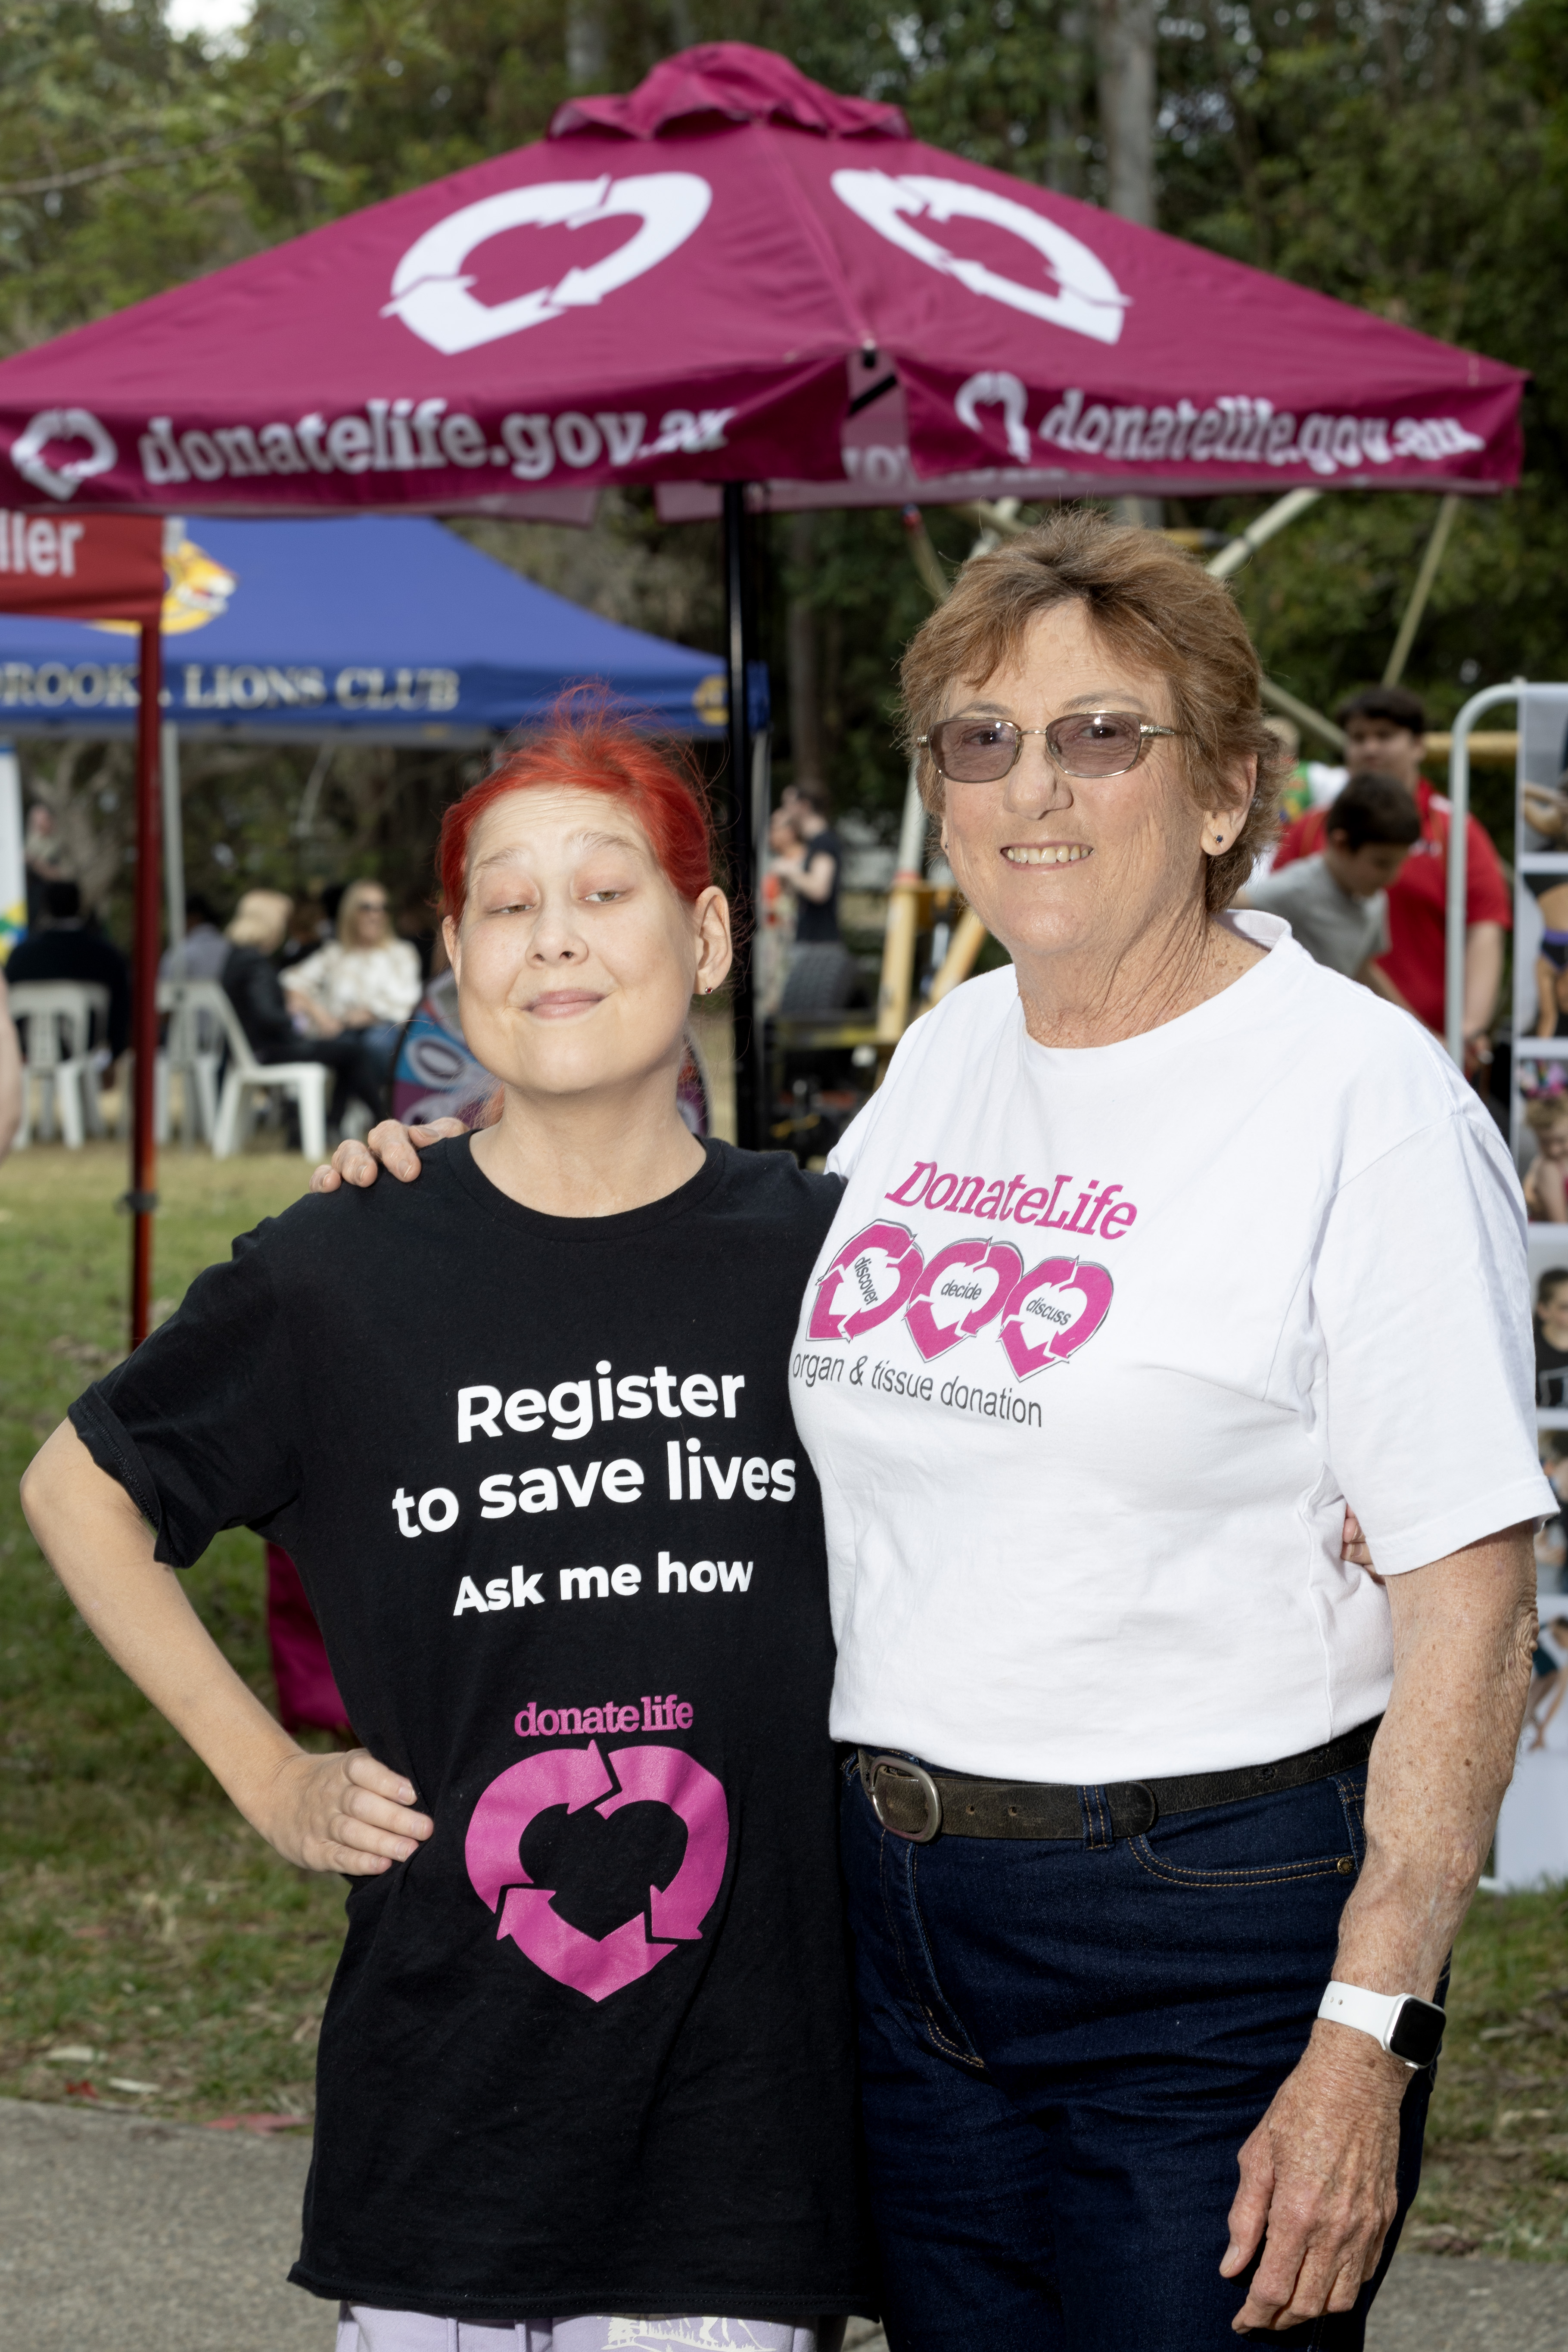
[[391, 1146]]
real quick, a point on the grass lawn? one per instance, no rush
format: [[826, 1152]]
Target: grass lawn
[[142, 1920]]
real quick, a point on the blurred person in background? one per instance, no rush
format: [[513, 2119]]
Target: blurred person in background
[[256, 934], [11, 1074], [1546, 810], [1385, 734], [363, 984], [1551, 1340], [202, 953], [1552, 1536], [1546, 1178], [67, 945], [812, 868], [821, 977], [43, 854], [1336, 901]]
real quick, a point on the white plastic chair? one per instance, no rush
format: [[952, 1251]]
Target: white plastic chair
[[59, 1017], [245, 1078], [193, 1044]]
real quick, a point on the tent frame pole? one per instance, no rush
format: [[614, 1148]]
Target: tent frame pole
[[1457, 929], [141, 1200], [740, 639], [1415, 611]]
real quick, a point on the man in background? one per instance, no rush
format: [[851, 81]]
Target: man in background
[[1336, 901], [1385, 731], [66, 946], [201, 954]]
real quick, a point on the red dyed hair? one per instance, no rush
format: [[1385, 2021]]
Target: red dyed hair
[[585, 749]]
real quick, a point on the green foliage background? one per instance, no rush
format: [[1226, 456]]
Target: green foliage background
[[1410, 158]]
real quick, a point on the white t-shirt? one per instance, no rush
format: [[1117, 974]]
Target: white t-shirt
[[383, 981], [1085, 1487]]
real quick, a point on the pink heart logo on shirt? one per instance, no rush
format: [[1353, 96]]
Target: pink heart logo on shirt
[[598, 1966], [1057, 1307], [869, 1279], [961, 1290]]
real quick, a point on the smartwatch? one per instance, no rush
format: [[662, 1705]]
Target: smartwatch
[[1407, 2028]]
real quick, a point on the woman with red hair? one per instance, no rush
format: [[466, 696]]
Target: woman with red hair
[[588, 2053]]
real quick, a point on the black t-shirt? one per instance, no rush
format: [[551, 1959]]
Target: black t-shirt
[[72, 951], [814, 922], [608, 2067], [1551, 1369]]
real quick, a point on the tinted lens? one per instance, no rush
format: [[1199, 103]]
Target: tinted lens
[[975, 751], [1099, 744]]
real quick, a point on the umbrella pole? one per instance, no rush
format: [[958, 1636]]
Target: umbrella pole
[[141, 1200], [739, 641]]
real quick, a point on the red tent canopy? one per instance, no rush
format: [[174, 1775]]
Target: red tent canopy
[[736, 274]]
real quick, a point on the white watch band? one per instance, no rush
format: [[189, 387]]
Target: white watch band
[[1368, 2012]]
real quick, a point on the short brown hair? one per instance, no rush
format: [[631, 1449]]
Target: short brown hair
[[1393, 704], [1154, 605]]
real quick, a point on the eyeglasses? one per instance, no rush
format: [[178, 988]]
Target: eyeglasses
[[1085, 744]]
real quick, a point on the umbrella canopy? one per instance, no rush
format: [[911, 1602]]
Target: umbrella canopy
[[387, 628], [731, 275]]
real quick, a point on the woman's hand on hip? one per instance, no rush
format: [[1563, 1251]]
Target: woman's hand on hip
[[391, 1146], [344, 1812], [1354, 1545], [1318, 2189]]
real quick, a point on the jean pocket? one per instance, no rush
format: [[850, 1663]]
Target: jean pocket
[[900, 1865], [1280, 1839]]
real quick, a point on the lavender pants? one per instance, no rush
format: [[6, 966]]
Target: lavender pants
[[362, 2329]]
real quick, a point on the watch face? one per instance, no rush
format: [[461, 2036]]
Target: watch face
[[1418, 2034]]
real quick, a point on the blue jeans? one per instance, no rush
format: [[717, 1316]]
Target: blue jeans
[[1063, 2046]]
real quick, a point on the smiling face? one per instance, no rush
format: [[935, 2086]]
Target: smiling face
[[575, 959], [1057, 865]]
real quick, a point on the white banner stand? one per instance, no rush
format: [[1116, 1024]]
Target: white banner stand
[[13, 867], [1531, 1848]]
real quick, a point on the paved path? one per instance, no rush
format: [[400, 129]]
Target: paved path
[[121, 2235]]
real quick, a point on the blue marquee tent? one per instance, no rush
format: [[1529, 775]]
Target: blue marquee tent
[[385, 629]]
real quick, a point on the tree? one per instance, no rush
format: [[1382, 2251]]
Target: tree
[[1409, 156]]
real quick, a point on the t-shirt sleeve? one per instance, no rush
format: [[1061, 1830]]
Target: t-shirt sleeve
[[201, 1425], [1421, 1300], [1275, 893], [1384, 936], [1487, 896]]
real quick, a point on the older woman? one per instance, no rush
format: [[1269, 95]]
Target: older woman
[[1155, 1247]]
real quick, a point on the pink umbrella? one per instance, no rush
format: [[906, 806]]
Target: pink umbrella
[[736, 276], [699, 282]]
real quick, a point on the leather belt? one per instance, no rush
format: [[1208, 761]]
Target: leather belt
[[917, 1804]]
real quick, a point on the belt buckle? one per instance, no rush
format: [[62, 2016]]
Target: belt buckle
[[901, 1766]]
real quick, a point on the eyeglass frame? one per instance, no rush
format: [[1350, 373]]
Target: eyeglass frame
[[1146, 732]]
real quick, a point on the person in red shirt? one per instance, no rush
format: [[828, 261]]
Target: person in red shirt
[[1385, 730]]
